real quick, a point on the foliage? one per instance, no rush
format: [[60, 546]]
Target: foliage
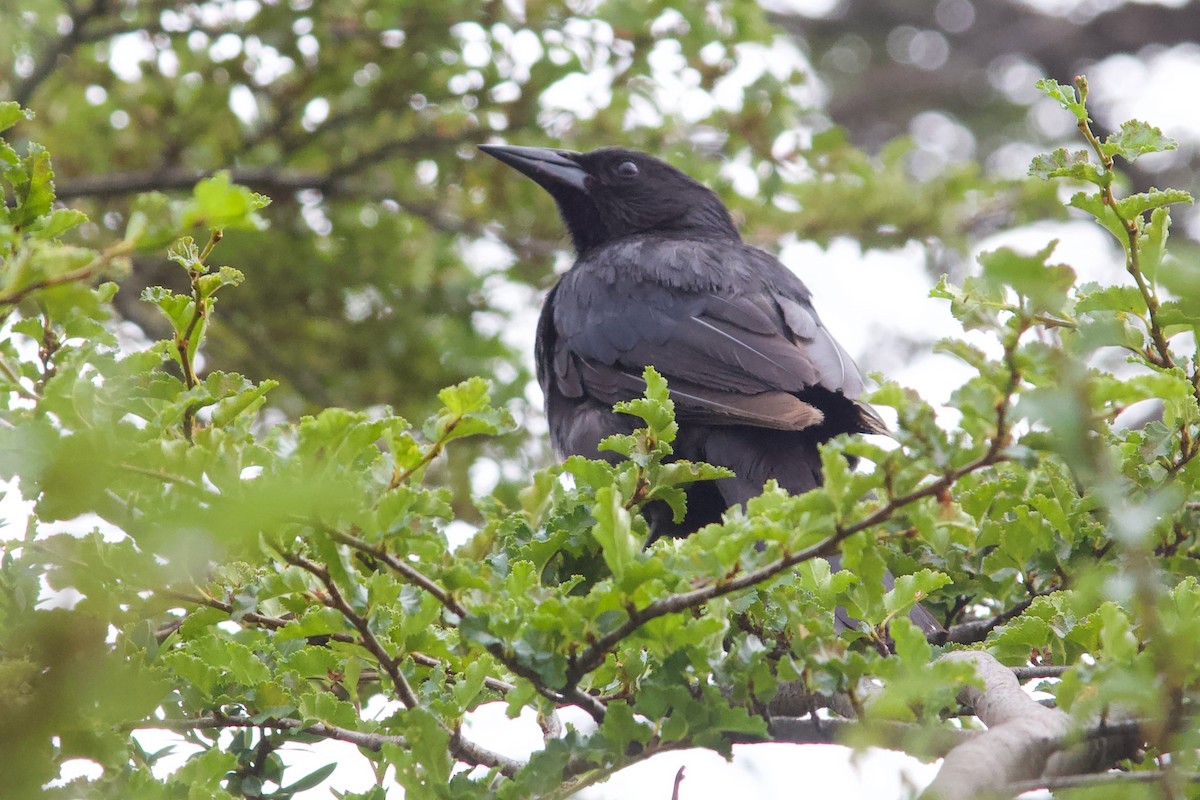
[[253, 585], [395, 262]]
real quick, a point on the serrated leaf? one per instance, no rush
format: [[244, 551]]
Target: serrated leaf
[[177, 308], [1094, 204], [1065, 96], [1136, 138], [1126, 299], [153, 221], [57, 223], [246, 401], [614, 531], [1064, 163], [911, 589], [655, 406], [218, 202], [1153, 241], [1138, 204], [589, 473], [35, 191], [11, 113], [225, 276], [1046, 285]]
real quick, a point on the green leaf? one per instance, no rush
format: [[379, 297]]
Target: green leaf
[[1136, 138], [11, 113], [312, 779], [177, 308], [467, 411], [614, 532], [153, 221], [57, 223], [1063, 163], [1046, 285], [912, 589], [35, 191], [654, 407], [1153, 241], [1065, 96], [1138, 204], [1126, 299], [247, 401], [1094, 204], [217, 202]]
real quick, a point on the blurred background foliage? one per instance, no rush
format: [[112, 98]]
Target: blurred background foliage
[[396, 261]]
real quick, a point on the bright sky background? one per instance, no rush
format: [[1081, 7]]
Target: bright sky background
[[890, 291]]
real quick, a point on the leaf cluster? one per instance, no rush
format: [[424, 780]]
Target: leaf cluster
[[251, 585]]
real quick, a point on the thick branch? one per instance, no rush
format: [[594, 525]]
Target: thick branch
[[1025, 740]]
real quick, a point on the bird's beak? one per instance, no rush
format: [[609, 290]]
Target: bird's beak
[[551, 169]]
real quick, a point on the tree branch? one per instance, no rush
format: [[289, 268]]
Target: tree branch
[[1025, 740], [595, 653], [571, 695], [467, 751], [86, 272], [46, 63], [275, 623], [899, 735], [334, 600], [1100, 779], [977, 629]]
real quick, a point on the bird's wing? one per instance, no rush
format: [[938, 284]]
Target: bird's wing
[[747, 355]]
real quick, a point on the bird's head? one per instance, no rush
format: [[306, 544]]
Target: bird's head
[[611, 193]]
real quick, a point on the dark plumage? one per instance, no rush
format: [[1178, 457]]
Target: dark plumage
[[663, 279]]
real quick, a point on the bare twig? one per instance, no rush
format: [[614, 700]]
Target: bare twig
[[678, 781]]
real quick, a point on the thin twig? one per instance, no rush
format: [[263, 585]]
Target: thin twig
[[1099, 779], [334, 599], [1132, 233], [86, 272], [1033, 673], [276, 623], [572, 694]]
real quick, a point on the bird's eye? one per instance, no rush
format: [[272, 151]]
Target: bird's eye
[[627, 169]]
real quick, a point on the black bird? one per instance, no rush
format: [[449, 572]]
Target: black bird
[[662, 278]]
